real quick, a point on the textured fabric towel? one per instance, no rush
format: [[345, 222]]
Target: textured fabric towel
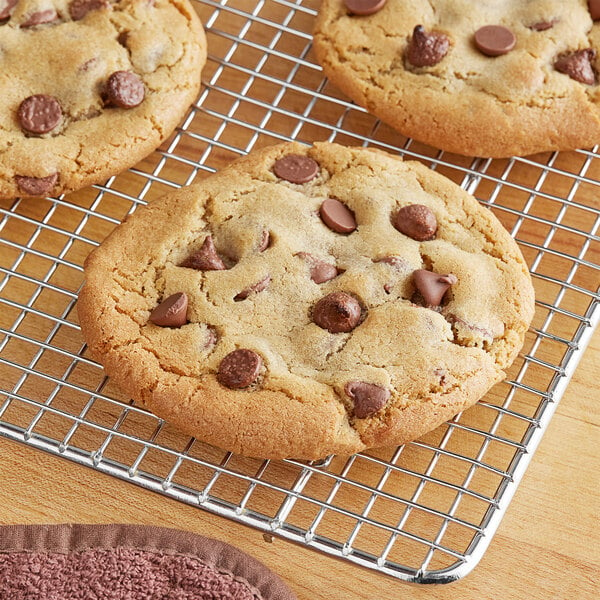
[[127, 562]]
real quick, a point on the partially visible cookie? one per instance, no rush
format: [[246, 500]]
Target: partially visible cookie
[[90, 87], [476, 78], [308, 301]]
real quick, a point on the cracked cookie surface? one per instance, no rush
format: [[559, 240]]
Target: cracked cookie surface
[[494, 79], [252, 318], [90, 87]]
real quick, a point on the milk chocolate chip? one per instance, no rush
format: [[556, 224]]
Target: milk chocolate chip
[[320, 271], [417, 221], [495, 40], [239, 368], [337, 312], [337, 216], [124, 89], [7, 9], [542, 25], [432, 286], [265, 240], [79, 8], [296, 168], [36, 186], [578, 65], [594, 8], [41, 17], [364, 7], [368, 397], [171, 312], [261, 285], [205, 259], [426, 49], [39, 114]]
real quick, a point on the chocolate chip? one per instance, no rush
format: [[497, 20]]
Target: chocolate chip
[[7, 9], [41, 17], [426, 49], [296, 168], [594, 8], [265, 240], [124, 89], [395, 261], [432, 286], [578, 65], [205, 259], [417, 221], [364, 7], [320, 271], [368, 397], [337, 312], [36, 186], [171, 312], [261, 285], [337, 216], [39, 114], [239, 368], [79, 8], [542, 25], [494, 40]]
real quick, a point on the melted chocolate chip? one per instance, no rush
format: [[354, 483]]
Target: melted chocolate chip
[[320, 271], [36, 186], [494, 40], [171, 312], [594, 8], [265, 240], [426, 49], [6, 10], [41, 17], [337, 216], [364, 7], [542, 25], [124, 89], [578, 65], [205, 259], [368, 397], [432, 286], [79, 8], [39, 114], [417, 221], [337, 312], [239, 369], [261, 285], [296, 168]]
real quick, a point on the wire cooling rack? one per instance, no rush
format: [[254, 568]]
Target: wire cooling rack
[[423, 512]]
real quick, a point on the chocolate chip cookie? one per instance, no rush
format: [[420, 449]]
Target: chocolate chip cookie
[[90, 87], [308, 301], [477, 78]]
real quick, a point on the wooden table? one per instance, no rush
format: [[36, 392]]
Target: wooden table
[[548, 545]]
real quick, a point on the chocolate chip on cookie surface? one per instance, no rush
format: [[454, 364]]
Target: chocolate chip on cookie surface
[[94, 85], [477, 78], [323, 341]]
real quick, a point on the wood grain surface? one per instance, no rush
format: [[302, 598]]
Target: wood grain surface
[[547, 546]]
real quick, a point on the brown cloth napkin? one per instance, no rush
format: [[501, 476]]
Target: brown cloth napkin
[[127, 562]]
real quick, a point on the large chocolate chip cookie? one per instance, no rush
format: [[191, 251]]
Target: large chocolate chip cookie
[[308, 301], [89, 87], [500, 78]]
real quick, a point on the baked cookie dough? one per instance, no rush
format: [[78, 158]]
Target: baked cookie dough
[[492, 79], [90, 87], [308, 301]]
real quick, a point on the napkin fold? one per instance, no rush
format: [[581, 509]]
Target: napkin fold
[[129, 562]]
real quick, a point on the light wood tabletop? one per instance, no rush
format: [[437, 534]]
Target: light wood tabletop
[[547, 545]]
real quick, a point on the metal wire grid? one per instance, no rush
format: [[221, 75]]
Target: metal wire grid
[[423, 512]]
